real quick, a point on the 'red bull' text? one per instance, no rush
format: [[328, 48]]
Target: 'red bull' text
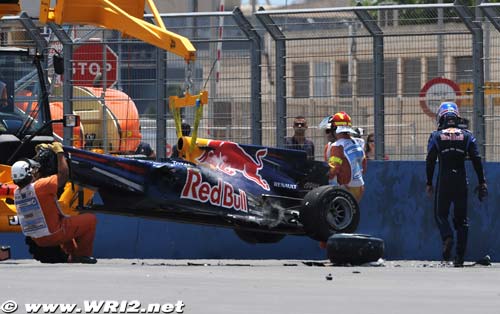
[[223, 194]]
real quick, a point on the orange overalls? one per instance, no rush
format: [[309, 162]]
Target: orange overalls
[[63, 228]]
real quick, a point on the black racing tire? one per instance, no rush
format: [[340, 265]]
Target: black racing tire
[[327, 210], [354, 249], [255, 237], [49, 254]]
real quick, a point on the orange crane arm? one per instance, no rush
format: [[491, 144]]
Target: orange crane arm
[[125, 16]]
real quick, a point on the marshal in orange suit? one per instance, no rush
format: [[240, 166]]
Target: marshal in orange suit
[[39, 212]]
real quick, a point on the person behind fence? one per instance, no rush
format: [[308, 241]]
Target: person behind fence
[[298, 140], [451, 144], [145, 149], [39, 213], [370, 147], [3, 95], [344, 154]]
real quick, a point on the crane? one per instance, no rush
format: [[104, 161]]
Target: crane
[[125, 16]]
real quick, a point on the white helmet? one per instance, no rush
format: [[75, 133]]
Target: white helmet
[[22, 171]]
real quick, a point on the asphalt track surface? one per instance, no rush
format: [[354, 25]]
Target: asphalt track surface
[[268, 286]]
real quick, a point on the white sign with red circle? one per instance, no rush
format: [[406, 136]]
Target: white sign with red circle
[[437, 91], [88, 65]]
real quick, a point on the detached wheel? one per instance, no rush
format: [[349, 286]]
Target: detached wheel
[[254, 237], [354, 249], [50, 254], [327, 210]]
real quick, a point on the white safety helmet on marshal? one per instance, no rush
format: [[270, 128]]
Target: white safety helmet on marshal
[[22, 171]]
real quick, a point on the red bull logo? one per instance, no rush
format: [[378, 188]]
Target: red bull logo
[[452, 134], [231, 158], [223, 194]]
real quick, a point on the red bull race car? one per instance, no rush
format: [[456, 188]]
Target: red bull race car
[[263, 193]]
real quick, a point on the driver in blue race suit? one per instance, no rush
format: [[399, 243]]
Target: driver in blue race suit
[[451, 143]]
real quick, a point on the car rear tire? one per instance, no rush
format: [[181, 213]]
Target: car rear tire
[[255, 237], [327, 210], [354, 249], [49, 254]]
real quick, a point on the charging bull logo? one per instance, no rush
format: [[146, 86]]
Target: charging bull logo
[[223, 194], [231, 158]]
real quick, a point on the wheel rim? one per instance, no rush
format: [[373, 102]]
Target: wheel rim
[[339, 213]]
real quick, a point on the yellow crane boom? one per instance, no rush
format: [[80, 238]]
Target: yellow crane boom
[[125, 16]]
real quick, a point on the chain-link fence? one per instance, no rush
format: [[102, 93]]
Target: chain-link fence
[[387, 66]]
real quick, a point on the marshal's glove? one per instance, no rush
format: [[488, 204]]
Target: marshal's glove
[[57, 147], [41, 147], [482, 191]]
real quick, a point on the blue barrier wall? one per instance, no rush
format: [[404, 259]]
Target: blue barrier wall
[[394, 208], [397, 209]]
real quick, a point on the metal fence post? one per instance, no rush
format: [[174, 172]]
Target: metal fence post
[[478, 72], [256, 62], [280, 92], [102, 99], [378, 80], [161, 115], [280, 50], [490, 12], [34, 32], [68, 73]]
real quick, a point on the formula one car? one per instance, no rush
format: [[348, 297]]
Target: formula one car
[[263, 193]]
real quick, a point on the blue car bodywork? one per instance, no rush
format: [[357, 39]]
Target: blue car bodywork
[[261, 189]]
